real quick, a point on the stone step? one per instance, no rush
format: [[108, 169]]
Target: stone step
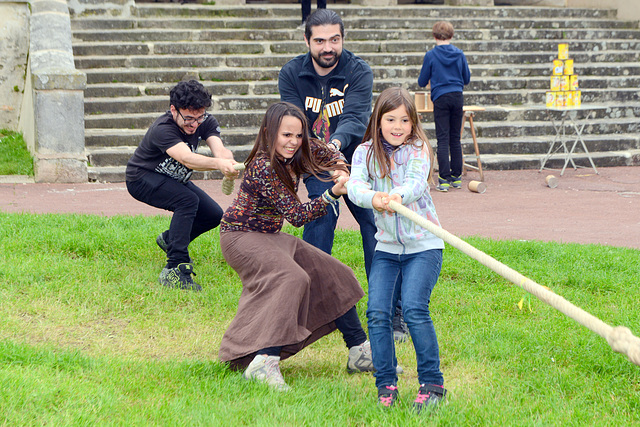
[[500, 146], [556, 162], [153, 61], [237, 116], [547, 48], [501, 91], [239, 135], [280, 11], [190, 29], [536, 85], [194, 28], [400, 72]]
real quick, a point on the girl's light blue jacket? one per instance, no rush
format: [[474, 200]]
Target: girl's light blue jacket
[[409, 171]]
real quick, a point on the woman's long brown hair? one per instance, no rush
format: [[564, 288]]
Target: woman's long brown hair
[[303, 161], [390, 99]]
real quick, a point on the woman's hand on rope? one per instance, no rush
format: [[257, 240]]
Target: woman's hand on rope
[[339, 188]]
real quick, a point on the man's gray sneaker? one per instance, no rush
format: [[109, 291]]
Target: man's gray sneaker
[[360, 359], [179, 277]]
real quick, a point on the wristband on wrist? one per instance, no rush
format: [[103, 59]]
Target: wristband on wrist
[[328, 198], [332, 194]]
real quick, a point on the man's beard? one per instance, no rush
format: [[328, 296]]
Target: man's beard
[[322, 62]]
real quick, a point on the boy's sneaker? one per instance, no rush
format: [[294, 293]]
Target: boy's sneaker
[[179, 277], [429, 396], [443, 185], [387, 395], [400, 330], [163, 245], [360, 359], [456, 181], [266, 369]]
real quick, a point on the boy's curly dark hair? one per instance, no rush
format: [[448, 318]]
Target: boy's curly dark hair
[[190, 95]]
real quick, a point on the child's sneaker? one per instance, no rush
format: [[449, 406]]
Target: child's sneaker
[[429, 395], [443, 185], [387, 395], [179, 277], [266, 369], [456, 181]]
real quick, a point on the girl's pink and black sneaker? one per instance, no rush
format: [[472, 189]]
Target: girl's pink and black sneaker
[[387, 395], [429, 396]]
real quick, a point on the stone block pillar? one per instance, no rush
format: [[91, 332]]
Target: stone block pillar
[[52, 116]]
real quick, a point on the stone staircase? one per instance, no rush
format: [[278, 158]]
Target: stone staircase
[[132, 58]]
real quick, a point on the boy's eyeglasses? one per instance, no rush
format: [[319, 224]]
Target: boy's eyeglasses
[[191, 120]]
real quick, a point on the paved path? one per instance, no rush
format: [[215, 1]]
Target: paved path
[[583, 208]]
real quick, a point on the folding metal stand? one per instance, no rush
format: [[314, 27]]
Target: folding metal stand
[[566, 120]]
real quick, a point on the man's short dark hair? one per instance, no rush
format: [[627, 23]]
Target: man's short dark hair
[[190, 95], [323, 17]]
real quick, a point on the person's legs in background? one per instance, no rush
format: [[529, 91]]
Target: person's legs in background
[[306, 8], [442, 121], [320, 232], [368, 230], [455, 147]]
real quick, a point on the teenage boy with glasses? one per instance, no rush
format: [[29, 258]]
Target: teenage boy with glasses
[[160, 169]]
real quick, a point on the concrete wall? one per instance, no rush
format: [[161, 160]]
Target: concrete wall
[[14, 46], [628, 10], [52, 112]]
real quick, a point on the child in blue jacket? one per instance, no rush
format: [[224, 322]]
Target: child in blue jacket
[[447, 69], [394, 163]]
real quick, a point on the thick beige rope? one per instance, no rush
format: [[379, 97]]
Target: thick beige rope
[[619, 338], [228, 183]]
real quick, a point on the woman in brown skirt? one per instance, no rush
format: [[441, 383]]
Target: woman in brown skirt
[[292, 293]]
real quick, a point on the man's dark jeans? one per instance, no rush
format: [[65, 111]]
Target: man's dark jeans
[[320, 232], [194, 212]]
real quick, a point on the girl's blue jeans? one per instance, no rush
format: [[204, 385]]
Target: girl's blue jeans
[[411, 277]]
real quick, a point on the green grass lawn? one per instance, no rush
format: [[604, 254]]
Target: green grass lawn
[[88, 337], [14, 156]]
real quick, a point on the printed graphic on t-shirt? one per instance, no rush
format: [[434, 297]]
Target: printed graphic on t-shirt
[[174, 169], [332, 109], [320, 127]]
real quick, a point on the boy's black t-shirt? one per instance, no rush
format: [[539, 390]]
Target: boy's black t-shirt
[[151, 155]]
